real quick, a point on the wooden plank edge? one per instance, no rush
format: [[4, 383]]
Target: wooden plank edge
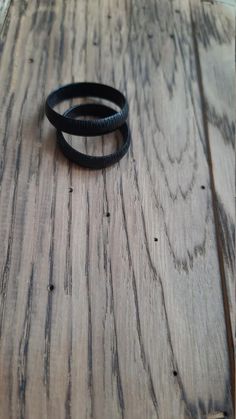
[[229, 332]]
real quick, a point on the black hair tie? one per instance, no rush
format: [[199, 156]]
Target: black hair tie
[[104, 125], [93, 162]]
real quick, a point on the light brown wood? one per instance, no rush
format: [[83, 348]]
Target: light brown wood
[[217, 66], [215, 71], [134, 328]]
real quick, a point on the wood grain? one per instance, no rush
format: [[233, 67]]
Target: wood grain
[[212, 24], [134, 327], [216, 70], [217, 82], [4, 6]]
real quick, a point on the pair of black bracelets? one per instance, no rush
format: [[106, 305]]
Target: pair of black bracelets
[[107, 120]]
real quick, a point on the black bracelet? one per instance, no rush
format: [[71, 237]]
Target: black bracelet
[[93, 162], [100, 126]]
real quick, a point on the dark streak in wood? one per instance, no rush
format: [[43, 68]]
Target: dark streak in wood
[[207, 28], [68, 272], [48, 320], [5, 135], [69, 385], [227, 234], [23, 349], [90, 331], [116, 362], [226, 128]]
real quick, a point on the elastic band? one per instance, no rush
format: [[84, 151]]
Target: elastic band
[[100, 126], [93, 162]]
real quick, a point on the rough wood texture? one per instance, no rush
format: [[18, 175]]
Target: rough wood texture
[[212, 93], [134, 328], [219, 97], [4, 6], [218, 102]]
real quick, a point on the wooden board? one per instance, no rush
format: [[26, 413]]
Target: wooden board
[[218, 102], [212, 25], [134, 327]]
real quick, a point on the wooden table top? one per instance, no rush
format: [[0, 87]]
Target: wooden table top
[[117, 286]]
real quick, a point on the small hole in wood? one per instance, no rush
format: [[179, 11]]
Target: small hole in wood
[[172, 36], [155, 239], [109, 16], [177, 11], [71, 189], [150, 35], [51, 287], [225, 413], [203, 187], [95, 43], [31, 60], [175, 373], [108, 214]]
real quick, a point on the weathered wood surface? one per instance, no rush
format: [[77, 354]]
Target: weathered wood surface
[[213, 95], [4, 6], [134, 328], [218, 102]]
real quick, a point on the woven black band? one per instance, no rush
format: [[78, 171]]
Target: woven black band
[[93, 162], [104, 125]]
